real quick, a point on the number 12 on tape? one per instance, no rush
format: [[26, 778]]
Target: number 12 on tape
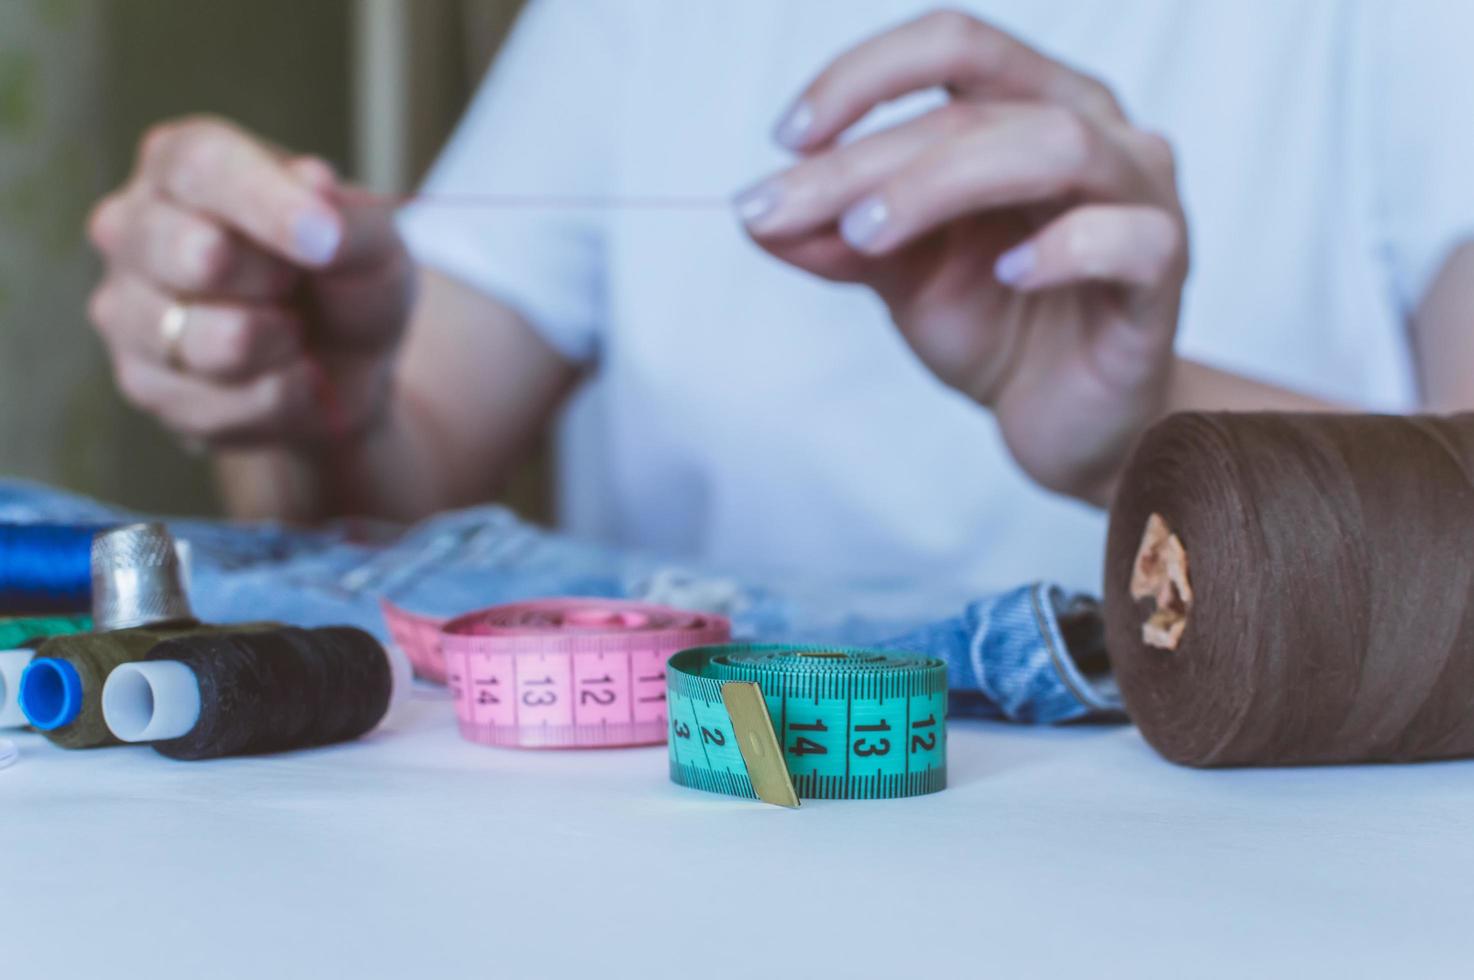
[[845, 724]]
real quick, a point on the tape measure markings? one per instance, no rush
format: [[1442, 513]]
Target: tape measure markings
[[601, 687], [567, 673], [850, 723]]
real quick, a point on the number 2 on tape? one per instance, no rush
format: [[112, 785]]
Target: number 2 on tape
[[849, 724]]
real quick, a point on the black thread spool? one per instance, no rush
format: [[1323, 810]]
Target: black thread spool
[[252, 693], [1304, 594]]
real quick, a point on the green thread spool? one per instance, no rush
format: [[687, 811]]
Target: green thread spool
[[61, 690], [21, 630]]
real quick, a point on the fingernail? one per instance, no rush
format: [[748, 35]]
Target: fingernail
[[863, 223], [318, 173], [316, 236], [794, 127], [757, 202], [1015, 265]]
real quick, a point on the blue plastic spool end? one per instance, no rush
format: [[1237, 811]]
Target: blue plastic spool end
[[50, 693]]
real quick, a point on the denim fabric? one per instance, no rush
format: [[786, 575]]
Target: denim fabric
[[1007, 657], [1028, 655]]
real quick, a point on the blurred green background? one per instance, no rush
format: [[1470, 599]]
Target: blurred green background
[[373, 85]]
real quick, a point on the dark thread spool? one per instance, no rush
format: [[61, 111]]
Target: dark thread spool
[[94, 656], [279, 690], [1327, 558]]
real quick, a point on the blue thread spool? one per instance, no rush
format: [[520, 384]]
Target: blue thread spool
[[46, 568]]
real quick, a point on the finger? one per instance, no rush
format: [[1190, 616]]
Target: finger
[[315, 172], [814, 192], [105, 223], [1025, 156], [946, 49], [371, 237], [281, 403], [370, 234], [186, 253], [366, 309], [219, 341], [212, 167], [1130, 245]]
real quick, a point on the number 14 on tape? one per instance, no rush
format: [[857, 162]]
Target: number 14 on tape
[[781, 748]]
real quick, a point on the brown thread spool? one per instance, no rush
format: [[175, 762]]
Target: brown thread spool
[[1296, 589]]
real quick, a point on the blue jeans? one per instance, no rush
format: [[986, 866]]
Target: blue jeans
[[1033, 654]]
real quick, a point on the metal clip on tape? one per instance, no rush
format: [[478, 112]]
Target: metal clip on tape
[[832, 723]]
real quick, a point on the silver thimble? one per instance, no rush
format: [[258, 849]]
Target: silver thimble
[[137, 579]]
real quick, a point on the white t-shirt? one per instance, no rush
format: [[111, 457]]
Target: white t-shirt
[[758, 418]]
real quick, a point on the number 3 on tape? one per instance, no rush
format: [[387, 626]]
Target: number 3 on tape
[[830, 722]]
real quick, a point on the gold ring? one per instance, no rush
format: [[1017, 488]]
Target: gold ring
[[171, 330]]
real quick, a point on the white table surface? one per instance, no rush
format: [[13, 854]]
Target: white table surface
[[414, 854]]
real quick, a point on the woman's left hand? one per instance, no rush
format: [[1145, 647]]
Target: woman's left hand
[[1027, 239]]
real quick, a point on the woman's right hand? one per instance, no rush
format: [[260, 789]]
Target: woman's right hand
[[249, 297]]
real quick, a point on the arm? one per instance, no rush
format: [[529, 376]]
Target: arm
[[1443, 339], [1443, 336], [1197, 387], [1443, 344], [472, 387], [471, 382], [257, 306]]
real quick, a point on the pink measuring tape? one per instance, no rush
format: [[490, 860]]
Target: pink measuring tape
[[558, 673], [419, 637]]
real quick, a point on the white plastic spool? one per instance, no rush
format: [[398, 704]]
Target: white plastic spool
[[12, 665]]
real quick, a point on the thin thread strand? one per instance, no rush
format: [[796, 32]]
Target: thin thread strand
[[573, 202]]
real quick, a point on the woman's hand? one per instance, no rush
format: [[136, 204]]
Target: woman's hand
[[1028, 241], [248, 298]]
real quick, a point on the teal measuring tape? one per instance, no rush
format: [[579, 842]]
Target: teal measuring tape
[[769, 721], [16, 630]]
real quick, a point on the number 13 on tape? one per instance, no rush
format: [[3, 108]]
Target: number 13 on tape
[[832, 722]]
